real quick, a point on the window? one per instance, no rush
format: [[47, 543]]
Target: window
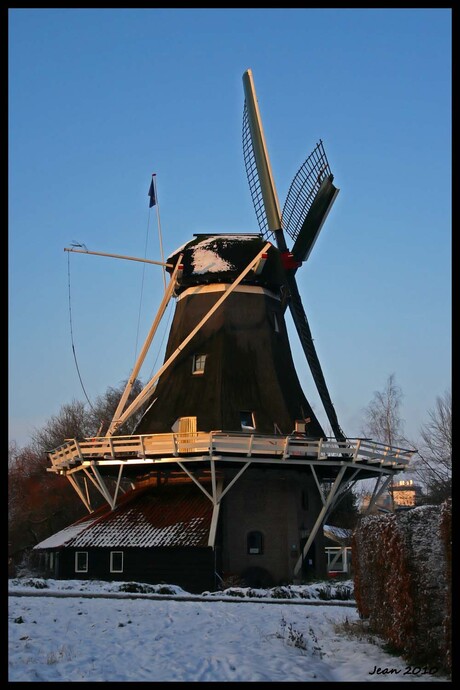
[[255, 543], [247, 420], [116, 561], [51, 564], [275, 323], [198, 364], [81, 562]]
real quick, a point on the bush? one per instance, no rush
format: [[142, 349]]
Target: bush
[[402, 578], [136, 587]]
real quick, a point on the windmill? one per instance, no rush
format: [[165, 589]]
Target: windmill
[[225, 413]]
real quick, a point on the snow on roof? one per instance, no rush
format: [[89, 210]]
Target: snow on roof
[[134, 530], [205, 255], [207, 261], [337, 533], [65, 535], [151, 517]]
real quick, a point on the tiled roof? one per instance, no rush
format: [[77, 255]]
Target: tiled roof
[[337, 534], [177, 515], [65, 535]]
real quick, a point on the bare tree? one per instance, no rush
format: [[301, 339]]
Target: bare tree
[[72, 421], [38, 503], [76, 420], [105, 406], [382, 417], [433, 464]]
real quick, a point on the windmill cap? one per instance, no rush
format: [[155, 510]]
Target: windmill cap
[[216, 258]]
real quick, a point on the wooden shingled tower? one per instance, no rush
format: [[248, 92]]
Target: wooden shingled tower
[[237, 373], [225, 413]]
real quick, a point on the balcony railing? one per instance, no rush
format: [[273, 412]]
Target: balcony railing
[[219, 444]]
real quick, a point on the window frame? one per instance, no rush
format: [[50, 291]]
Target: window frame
[[196, 358], [112, 568], [246, 427], [84, 569]]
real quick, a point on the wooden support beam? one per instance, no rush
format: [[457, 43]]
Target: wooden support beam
[[102, 487], [376, 494], [80, 493], [145, 348], [237, 476], [118, 256], [117, 486], [323, 500], [320, 518], [200, 486], [215, 515]]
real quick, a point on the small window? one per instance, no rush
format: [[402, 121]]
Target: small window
[[51, 566], [276, 325], [81, 562], [247, 420], [116, 561], [198, 364], [255, 543]]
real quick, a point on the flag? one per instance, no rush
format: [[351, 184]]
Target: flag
[[152, 201]]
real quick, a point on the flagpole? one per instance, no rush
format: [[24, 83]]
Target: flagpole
[[159, 225]]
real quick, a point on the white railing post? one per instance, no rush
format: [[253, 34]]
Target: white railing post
[[286, 448], [320, 445], [358, 446]]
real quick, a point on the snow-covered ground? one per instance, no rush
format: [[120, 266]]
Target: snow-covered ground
[[61, 630]]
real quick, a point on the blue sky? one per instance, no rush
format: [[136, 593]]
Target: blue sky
[[101, 98]]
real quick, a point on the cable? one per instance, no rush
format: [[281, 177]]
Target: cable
[[71, 336]]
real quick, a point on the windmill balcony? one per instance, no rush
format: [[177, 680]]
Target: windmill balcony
[[142, 449]]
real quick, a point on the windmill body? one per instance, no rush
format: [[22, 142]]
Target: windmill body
[[237, 373], [232, 473]]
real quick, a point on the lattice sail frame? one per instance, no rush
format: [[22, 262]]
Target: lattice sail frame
[[302, 191], [253, 178]]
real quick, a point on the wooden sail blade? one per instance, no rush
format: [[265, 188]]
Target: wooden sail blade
[[314, 220], [264, 181]]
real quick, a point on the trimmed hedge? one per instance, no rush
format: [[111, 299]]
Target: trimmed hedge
[[403, 581]]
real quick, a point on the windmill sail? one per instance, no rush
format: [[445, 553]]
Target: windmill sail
[[304, 333], [309, 200], [253, 178], [303, 218]]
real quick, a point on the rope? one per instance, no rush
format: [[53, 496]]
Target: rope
[[72, 338]]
